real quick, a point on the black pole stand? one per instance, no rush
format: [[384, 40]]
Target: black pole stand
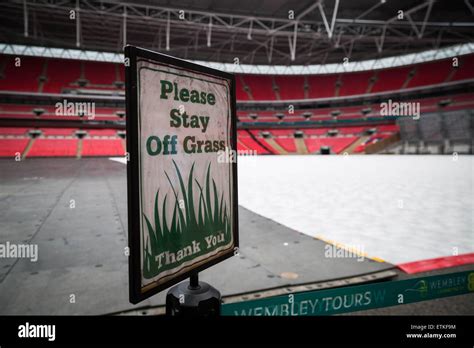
[[193, 299]]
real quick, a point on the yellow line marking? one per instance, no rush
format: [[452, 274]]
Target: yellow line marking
[[348, 248]]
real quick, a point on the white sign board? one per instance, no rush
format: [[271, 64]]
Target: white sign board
[[182, 184]]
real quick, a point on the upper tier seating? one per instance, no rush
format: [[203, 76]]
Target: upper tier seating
[[290, 87], [390, 79], [261, 87], [355, 83], [322, 86], [52, 75], [20, 74], [99, 73], [240, 92], [431, 73], [465, 70], [61, 73]]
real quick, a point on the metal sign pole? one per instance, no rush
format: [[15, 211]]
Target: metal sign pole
[[193, 298]]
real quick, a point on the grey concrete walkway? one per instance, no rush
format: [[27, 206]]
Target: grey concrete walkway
[[75, 211]]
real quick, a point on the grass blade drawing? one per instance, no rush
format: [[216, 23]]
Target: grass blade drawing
[[191, 232]]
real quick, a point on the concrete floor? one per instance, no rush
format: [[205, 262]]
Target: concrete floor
[[75, 211]]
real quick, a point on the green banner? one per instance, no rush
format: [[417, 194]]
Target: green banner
[[356, 298]]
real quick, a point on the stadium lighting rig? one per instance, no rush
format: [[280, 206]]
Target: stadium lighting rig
[[313, 32]]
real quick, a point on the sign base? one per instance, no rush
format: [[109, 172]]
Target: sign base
[[193, 299]]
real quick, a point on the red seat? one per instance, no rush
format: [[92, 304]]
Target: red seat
[[354, 83], [290, 87], [390, 79], [53, 148], [12, 147], [322, 86], [99, 73], [23, 77], [260, 86], [288, 144], [102, 147], [431, 73], [61, 73]]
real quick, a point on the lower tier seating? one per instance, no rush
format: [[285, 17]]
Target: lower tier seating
[[12, 147], [53, 148], [101, 147]]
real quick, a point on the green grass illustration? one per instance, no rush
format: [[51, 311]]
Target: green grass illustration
[[187, 224]]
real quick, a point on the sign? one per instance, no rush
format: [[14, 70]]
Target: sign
[[182, 170], [356, 298]]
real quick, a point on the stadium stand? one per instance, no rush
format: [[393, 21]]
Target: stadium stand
[[390, 79], [251, 143], [53, 148], [98, 73], [291, 87], [58, 131], [13, 141], [20, 74], [355, 83], [9, 131], [424, 73], [322, 86], [438, 133], [465, 70], [12, 147], [260, 86], [240, 88], [61, 73], [102, 147], [48, 75]]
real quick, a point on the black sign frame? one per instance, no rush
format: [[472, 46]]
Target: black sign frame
[[132, 53]]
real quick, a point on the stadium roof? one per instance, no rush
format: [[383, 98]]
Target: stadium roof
[[371, 64], [292, 32]]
